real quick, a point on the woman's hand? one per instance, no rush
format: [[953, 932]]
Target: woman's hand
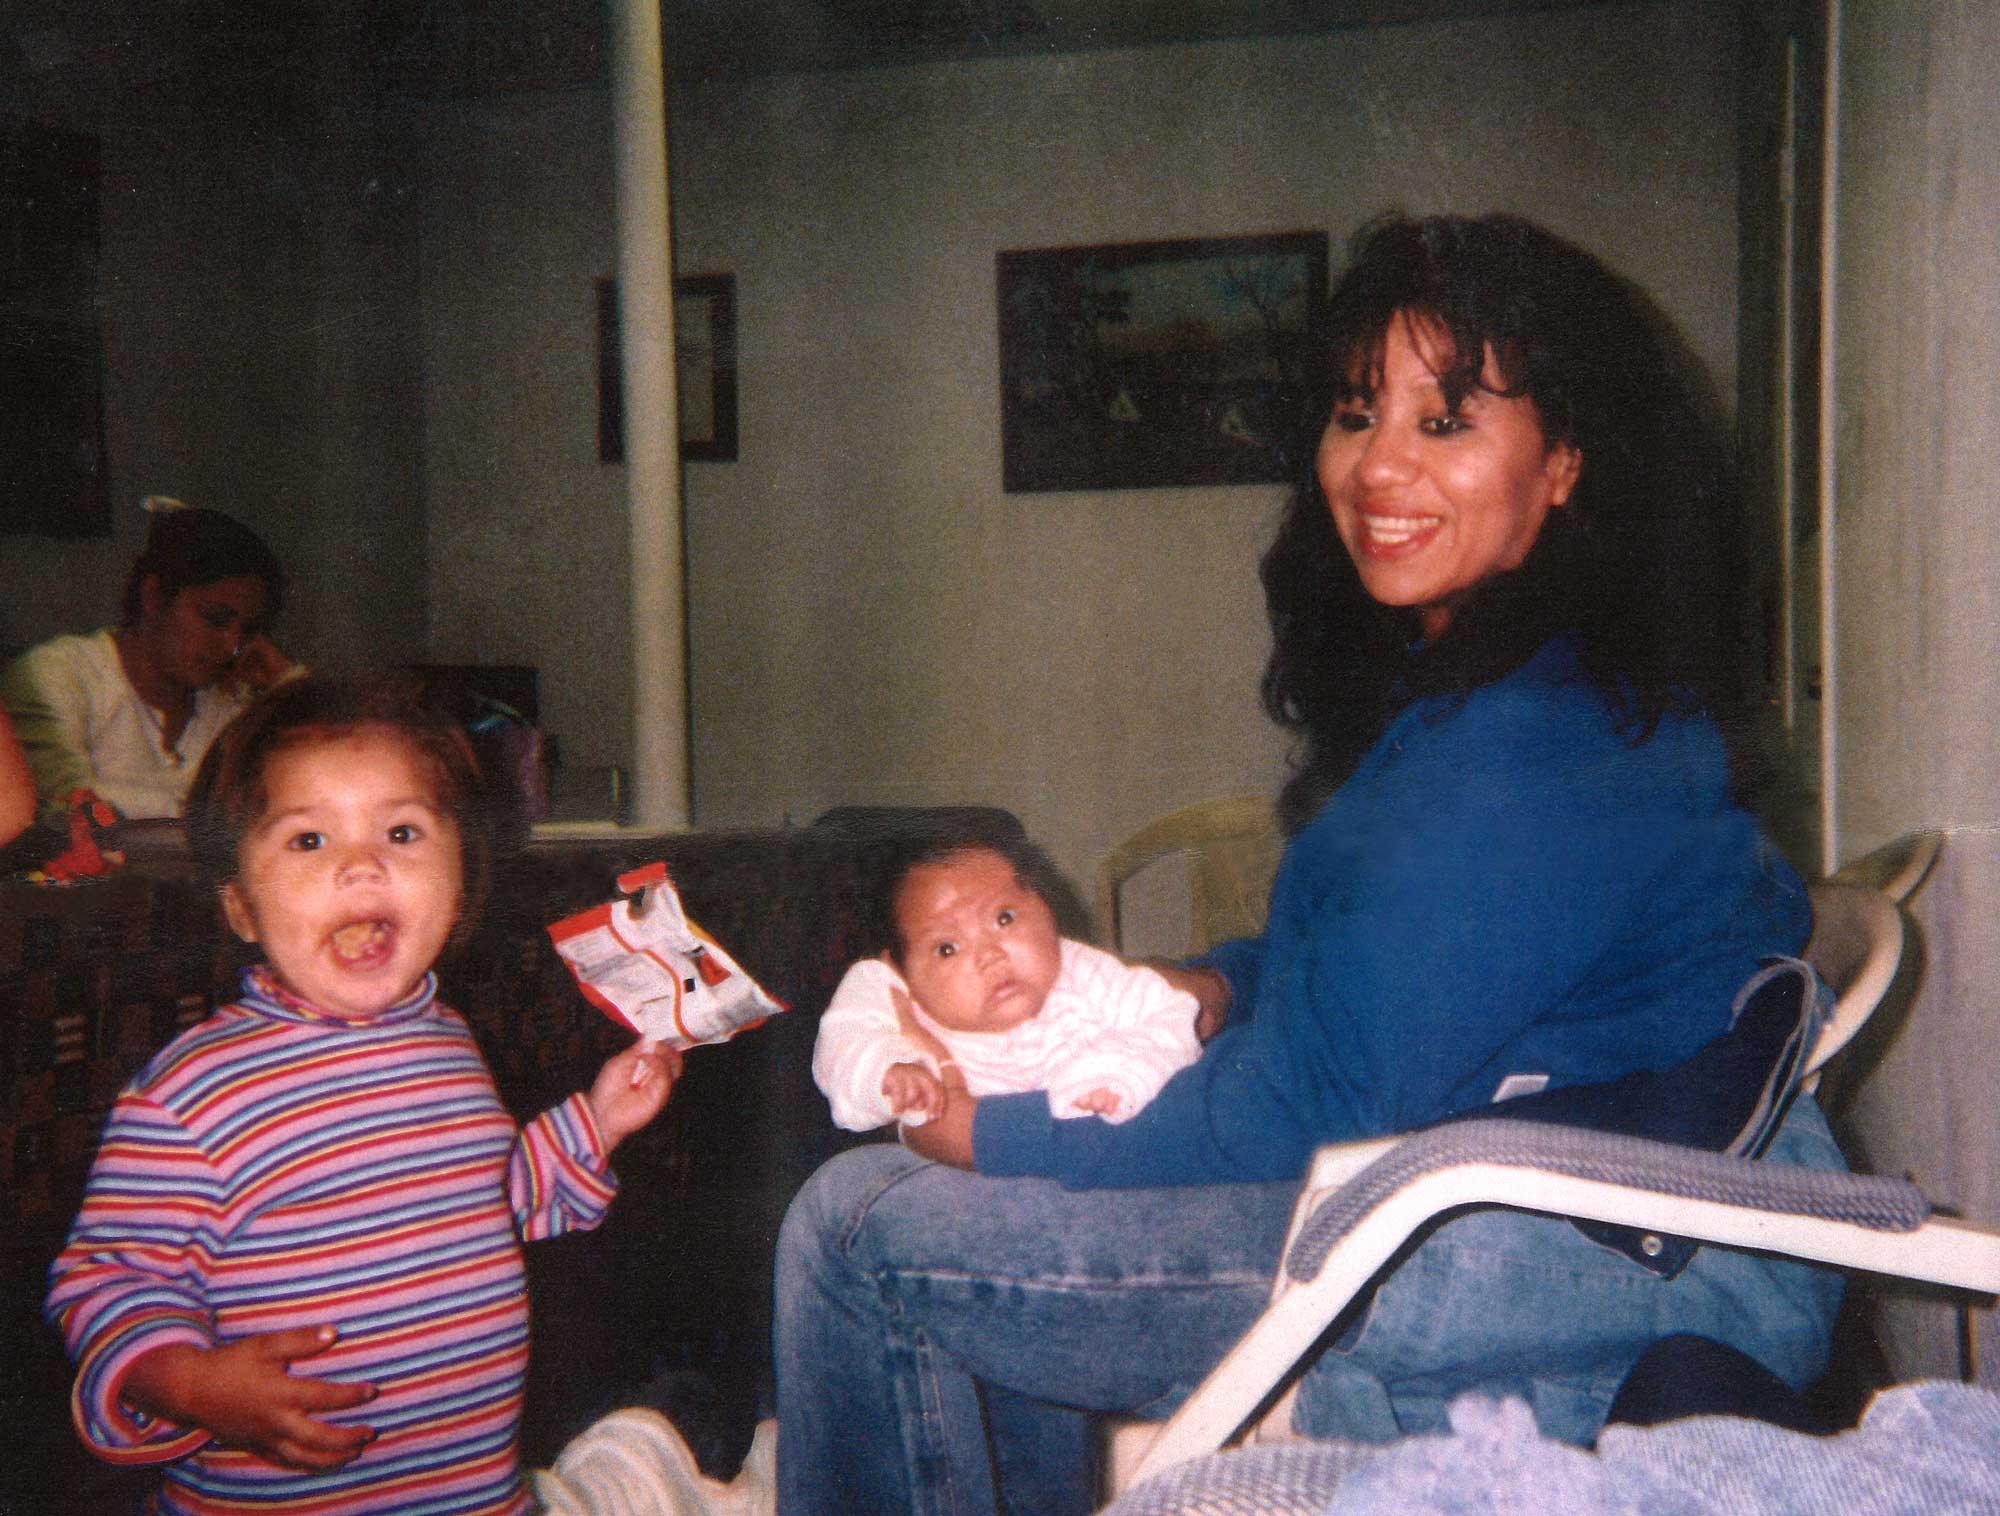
[[242, 1394], [258, 666], [1106, 1102], [630, 1089], [1209, 988]]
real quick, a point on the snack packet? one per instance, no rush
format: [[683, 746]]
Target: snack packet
[[653, 971]]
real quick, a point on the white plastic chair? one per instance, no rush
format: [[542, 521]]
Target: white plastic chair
[[1363, 1201], [1896, 868], [1232, 846], [1856, 944]]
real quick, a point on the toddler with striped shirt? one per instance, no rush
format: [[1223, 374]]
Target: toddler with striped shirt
[[321, 1174]]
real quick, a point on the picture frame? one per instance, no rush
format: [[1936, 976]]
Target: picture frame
[[704, 368], [1149, 364]]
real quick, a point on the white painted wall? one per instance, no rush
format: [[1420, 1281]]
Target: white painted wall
[[1917, 587], [528, 546], [872, 619]]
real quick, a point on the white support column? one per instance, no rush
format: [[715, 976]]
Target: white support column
[[1829, 462], [659, 786]]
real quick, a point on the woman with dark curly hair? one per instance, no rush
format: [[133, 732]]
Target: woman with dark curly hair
[[1636, 569], [1516, 863]]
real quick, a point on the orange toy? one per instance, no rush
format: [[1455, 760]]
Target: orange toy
[[85, 857]]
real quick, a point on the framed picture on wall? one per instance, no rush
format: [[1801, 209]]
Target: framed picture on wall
[[1158, 363], [704, 368]]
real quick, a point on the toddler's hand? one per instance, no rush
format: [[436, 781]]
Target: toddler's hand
[[913, 1090], [1099, 1102], [242, 1395], [630, 1089]]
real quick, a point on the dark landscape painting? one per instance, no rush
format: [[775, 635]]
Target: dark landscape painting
[[1158, 363]]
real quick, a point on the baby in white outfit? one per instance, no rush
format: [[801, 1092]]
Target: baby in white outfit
[[979, 988]]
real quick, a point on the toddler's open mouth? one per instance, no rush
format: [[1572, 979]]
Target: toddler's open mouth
[[362, 942]]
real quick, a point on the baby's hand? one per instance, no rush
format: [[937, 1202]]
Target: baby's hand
[[242, 1395], [913, 1090], [1099, 1102], [630, 1089]]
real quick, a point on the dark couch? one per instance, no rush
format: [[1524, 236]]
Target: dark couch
[[94, 977], [679, 1276]]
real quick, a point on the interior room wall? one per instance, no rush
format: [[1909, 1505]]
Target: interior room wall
[[257, 298], [1917, 580], [384, 357], [873, 619], [529, 558]]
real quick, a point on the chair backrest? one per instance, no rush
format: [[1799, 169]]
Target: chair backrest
[[1231, 845], [1896, 868], [1857, 941]]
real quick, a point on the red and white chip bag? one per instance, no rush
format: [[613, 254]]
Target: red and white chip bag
[[650, 969]]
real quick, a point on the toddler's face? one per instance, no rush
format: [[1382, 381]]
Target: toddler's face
[[351, 878], [980, 949]]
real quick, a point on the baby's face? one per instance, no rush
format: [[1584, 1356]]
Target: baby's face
[[980, 950]]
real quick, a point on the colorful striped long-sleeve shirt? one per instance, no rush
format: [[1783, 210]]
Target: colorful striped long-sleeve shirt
[[277, 1167]]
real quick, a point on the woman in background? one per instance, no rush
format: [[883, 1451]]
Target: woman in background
[[127, 712]]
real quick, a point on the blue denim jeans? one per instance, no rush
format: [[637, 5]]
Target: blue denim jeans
[[941, 1337]]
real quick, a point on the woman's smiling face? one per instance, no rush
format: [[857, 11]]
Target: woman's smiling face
[[1432, 499], [351, 878]]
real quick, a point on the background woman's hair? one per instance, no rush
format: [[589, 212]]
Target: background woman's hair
[[229, 792], [1641, 565], [190, 546]]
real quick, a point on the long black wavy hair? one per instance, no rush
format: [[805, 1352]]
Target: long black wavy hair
[[1639, 568]]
